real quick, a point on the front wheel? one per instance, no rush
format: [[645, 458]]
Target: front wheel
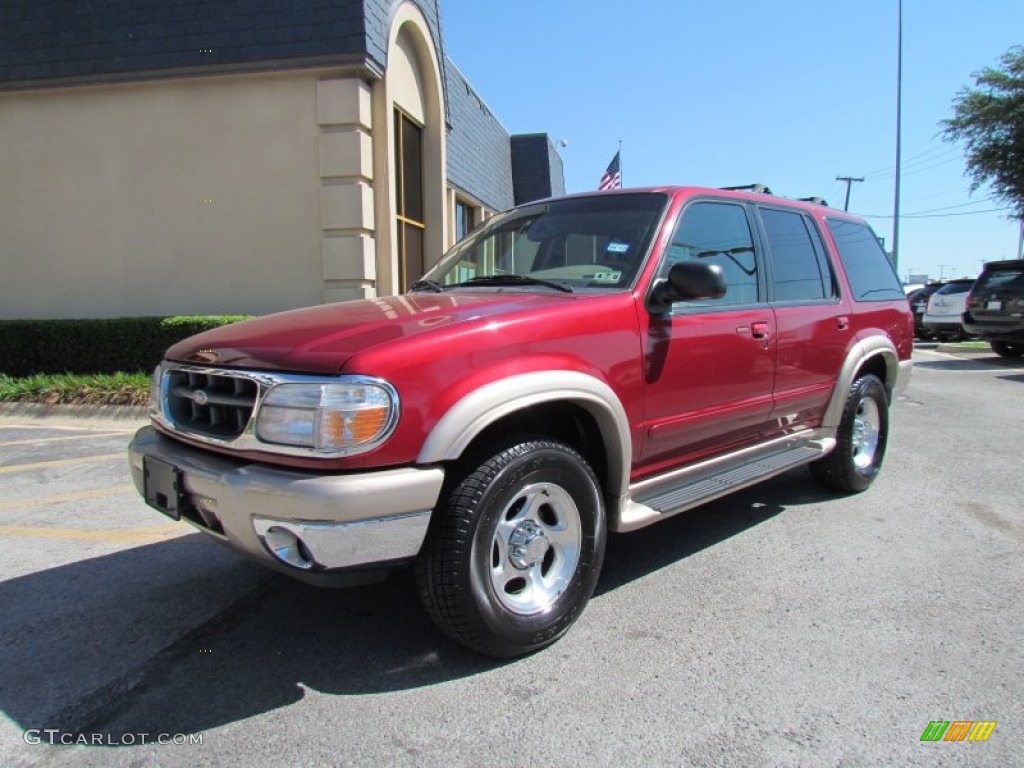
[[861, 439], [515, 548], [1006, 349]]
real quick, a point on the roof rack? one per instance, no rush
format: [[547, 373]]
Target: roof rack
[[761, 189], [815, 200]]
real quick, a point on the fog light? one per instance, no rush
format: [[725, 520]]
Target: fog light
[[288, 548]]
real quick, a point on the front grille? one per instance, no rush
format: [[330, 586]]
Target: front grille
[[212, 404]]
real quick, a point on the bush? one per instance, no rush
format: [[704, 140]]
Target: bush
[[129, 344]]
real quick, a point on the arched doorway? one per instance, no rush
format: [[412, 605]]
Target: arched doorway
[[410, 202]]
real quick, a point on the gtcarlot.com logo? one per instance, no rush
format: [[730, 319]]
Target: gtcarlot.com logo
[[958, 730], [57, 737]]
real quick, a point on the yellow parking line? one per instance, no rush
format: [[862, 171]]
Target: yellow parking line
[[58, 439], [136, 536], [95, 493], [62, 462]]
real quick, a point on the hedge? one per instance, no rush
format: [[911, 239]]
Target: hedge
[[129, 344]]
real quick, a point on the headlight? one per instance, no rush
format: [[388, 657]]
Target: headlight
[[332, 418], [156, 391]]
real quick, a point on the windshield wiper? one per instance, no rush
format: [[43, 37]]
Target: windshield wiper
[[515, 280], [429, 285]]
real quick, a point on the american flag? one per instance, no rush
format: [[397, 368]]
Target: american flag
[[612, 178]]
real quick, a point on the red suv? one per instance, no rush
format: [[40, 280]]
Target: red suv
[[576, 366]]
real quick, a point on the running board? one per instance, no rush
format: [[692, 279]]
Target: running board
[[657, 498]]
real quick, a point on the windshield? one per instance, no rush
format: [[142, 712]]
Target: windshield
[[585, 244]]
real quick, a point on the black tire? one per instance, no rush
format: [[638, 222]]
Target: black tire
[[861, 440], [514, 549], [1007, 349]]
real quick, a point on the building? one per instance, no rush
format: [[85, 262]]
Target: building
[[211, 156]]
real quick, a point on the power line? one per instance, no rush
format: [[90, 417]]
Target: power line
[[912, 160], [890, 170], [932, 215]]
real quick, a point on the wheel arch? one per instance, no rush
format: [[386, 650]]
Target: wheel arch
[[872, 355], [556, 403]]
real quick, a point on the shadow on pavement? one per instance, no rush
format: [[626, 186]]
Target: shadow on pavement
[[634, 555], [183, 637], [972, 363]]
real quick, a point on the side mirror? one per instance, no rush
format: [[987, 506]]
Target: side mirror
[[687, 281]]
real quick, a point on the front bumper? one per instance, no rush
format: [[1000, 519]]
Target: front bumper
[[305, 524]]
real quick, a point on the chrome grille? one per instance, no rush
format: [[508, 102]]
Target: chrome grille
[[212, 404]]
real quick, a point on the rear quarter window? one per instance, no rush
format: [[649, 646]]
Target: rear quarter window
[[871, 274]]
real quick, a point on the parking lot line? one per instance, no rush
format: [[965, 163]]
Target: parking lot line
[[62, 462], [42, 501], [137, 536], [38, 440], [69, 427]]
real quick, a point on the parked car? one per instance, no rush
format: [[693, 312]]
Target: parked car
[[942, 317], [995, 309], [574, 367], [918, 303]]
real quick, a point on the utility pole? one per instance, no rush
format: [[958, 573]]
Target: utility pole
[[849, 180]]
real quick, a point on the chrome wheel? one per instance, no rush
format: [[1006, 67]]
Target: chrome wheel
[[867, 424], [515, 547], [535, 548], [860, 439]]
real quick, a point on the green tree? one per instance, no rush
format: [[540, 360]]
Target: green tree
[[989, 119]]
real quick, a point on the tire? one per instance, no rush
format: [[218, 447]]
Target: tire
[[514, 549], [1007, 349], [861, 439]]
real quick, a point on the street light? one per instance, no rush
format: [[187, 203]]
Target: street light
[[899, 111]]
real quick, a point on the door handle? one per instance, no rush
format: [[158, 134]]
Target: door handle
[[760, 330], [842, 322]]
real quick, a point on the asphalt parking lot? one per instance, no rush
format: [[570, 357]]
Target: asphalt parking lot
[[780, 626]]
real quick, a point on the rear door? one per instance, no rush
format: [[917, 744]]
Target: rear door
[[709, 366], [812, 321]]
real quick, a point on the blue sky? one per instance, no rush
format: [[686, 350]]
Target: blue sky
[[789, 93]]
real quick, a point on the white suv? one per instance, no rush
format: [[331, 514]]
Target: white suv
[[945, 308]]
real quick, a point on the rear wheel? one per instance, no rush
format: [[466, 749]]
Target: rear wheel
[[861, 440], [1007, 349], [515, 548]]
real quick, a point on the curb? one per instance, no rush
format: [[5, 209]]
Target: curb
[[953, 349], [121, 416]]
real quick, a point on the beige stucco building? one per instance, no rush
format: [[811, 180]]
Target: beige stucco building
[[238, 160]]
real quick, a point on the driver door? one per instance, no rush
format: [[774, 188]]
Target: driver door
[[709, 366]]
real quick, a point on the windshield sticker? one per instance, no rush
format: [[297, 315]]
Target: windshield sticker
[[606, 277], [617, 248]]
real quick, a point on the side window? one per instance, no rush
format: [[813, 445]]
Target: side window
[[799, 270], [871, 274], [717, 233]]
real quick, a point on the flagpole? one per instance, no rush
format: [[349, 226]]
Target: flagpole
[[620, 163]]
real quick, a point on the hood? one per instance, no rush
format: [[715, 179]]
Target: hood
[[321, 339]]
